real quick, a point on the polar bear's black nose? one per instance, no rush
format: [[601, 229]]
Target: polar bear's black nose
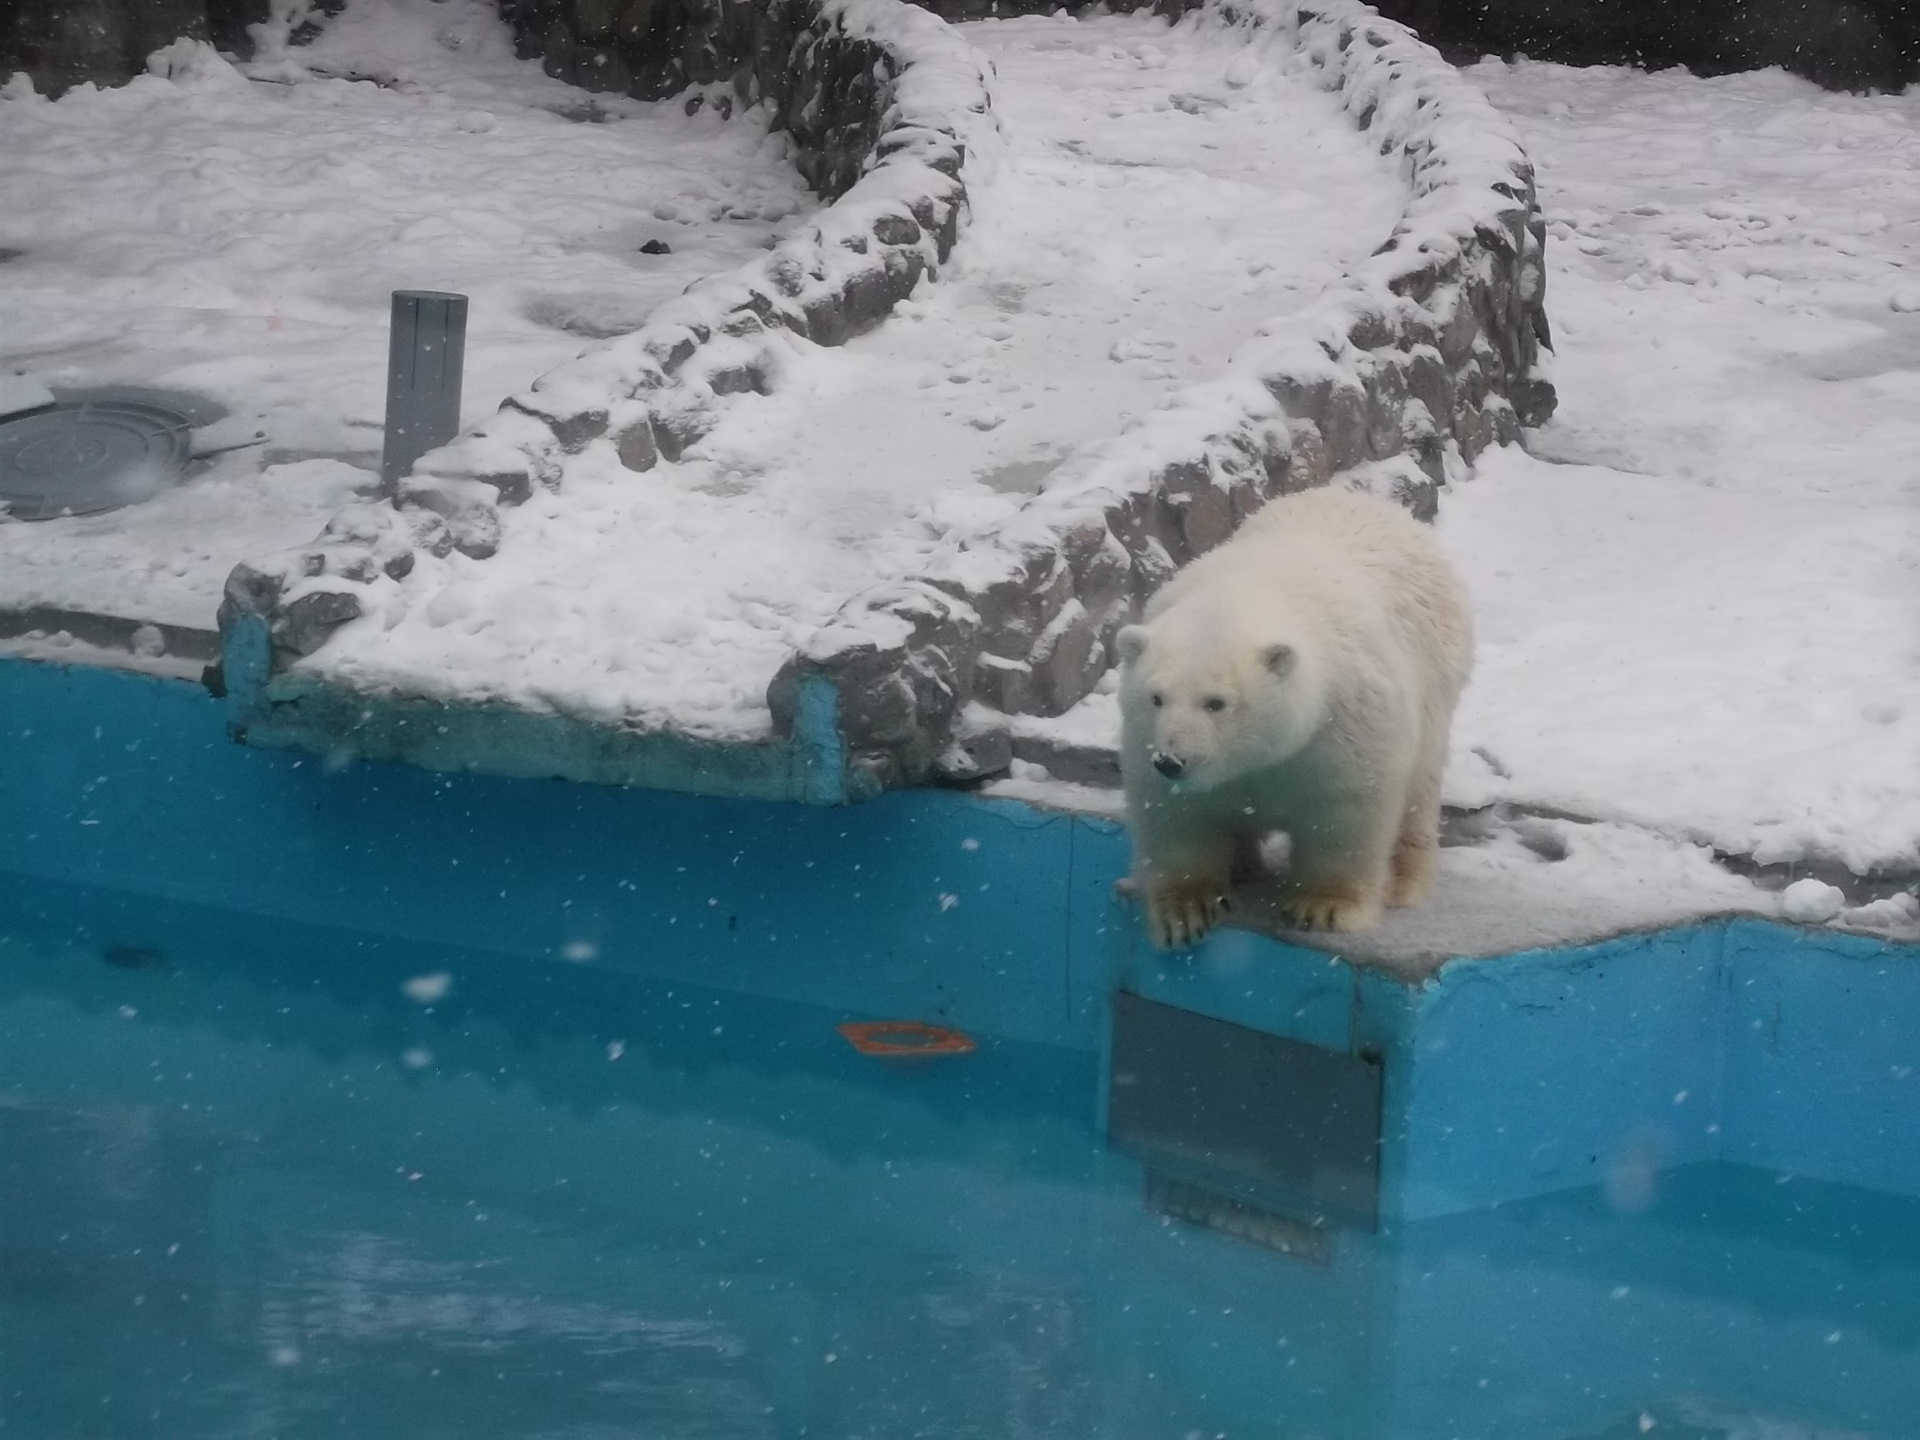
[[1168, 765]]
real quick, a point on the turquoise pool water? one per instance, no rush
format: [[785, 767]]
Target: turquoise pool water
[[265, 1180]]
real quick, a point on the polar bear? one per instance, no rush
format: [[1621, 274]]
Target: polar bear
[[1300, 678]]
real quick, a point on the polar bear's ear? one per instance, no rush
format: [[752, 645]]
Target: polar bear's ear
[[1131, 642], [1280, 659]]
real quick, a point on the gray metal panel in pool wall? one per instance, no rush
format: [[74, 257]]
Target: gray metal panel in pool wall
[[1289, 1127]]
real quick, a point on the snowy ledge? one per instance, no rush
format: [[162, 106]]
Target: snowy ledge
[[883, 101], [1517, 878], [1429, 351]]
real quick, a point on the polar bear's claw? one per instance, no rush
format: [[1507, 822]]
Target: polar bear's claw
[[1180, 912], [1339, 912]]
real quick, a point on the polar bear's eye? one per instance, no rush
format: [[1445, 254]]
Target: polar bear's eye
[[1214, 703], [1158, 699]]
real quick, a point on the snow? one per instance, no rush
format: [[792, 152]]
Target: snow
[[1122, 244], [1092, 724], [1812, 902], [1592, 882], [18, 393], [1699, 594], [168, 564], [238, 239], [1897, 917], [428, 989], [59, 647], [1031, 785]]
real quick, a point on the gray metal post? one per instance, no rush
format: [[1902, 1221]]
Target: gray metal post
[[426, 352]]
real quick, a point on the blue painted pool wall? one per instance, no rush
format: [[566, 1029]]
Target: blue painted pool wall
[[1530, 1073], [1823, 1056], [1503, 1078], [927, 904], [250, 988], [1741, 1041]]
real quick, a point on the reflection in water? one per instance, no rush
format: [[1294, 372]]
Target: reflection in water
[[255, 1188]]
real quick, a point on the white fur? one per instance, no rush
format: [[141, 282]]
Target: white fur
[[1333, 638]]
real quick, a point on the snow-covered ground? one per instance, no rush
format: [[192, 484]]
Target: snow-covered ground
[[238, 238], [1161, 194], [1699, 593]]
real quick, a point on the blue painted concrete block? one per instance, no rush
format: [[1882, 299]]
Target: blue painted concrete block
[[1552, 1070], [1250, 980], [1823, 1056], [1603, 1065]]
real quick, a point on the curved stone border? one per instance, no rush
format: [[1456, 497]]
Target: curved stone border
[[882, 101], [1429, 348]]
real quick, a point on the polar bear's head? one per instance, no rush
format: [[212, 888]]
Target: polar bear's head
[[1206, 698]]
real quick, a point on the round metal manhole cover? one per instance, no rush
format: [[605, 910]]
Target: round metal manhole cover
[[86, 453]]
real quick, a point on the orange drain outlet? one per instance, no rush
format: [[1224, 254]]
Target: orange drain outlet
[[904, 1037]]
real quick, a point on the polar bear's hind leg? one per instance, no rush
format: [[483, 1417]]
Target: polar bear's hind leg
[[1416, 850]]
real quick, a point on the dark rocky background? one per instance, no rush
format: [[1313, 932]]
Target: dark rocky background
[[647, 48], [1841, 44], [61, 43], [655, 47]]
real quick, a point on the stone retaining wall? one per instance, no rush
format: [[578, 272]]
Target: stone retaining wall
[[881, 100], [1429, 352]]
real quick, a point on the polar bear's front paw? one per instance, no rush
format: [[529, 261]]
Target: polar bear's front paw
[[1332, 908], [1182, 909]]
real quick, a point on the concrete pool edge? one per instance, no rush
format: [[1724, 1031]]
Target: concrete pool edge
[[296, 710], [1731, 1038]]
